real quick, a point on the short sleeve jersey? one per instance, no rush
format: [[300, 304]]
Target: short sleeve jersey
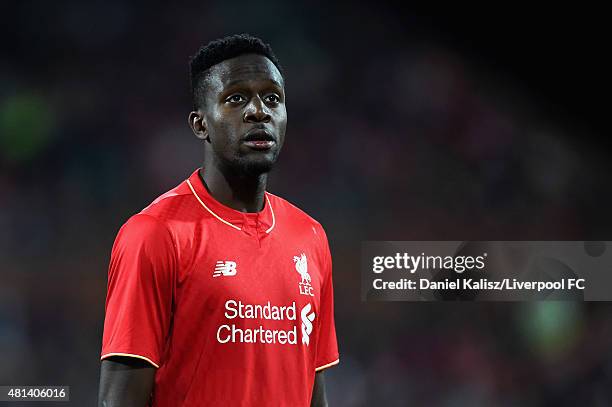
[[232, 308]]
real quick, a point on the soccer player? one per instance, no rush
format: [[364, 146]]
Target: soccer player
[[219, 292]]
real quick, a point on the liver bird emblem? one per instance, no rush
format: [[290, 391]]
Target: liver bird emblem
[[301, 266]]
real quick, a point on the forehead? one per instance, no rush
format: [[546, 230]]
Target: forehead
[[244, 68]]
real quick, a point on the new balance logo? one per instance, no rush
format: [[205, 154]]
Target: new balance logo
[[225, 268], [307, 318]]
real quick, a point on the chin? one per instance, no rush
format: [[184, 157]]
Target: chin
[[255, 166]]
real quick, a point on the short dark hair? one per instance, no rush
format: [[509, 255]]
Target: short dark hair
[[218, 51]]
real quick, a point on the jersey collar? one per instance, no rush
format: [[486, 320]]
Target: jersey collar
[[263, 221]]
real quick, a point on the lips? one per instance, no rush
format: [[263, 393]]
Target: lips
[[260, 144], [259, 139]]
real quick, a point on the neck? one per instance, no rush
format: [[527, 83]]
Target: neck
[[238, 191]]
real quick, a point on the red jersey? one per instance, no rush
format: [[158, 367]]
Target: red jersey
[[233, 308]]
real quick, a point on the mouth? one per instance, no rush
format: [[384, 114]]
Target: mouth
[[259, 139]]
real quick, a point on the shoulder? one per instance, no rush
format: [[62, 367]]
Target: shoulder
[[143, 234], [289, 213], [154, 222], [287, 209], [166, 206], [142, 224]]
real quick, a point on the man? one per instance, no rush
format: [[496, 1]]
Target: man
[[220, 293]]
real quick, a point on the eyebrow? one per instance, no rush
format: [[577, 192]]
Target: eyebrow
[[239, 81]]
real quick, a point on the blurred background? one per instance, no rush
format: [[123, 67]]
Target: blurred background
[[454, 124]]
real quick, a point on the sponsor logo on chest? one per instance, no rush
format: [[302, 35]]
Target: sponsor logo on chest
[[231, 332], [302, 319]]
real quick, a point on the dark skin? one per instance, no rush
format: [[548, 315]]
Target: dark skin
[[242, 122], [245, 100]]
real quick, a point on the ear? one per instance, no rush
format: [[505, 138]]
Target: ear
[[198, 125]]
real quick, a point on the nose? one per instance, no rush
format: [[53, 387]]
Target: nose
[[256, 111]]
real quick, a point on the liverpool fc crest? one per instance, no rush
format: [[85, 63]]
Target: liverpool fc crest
[[301, 266]]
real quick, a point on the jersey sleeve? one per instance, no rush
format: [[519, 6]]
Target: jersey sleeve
[[141, 280], [327, 345]]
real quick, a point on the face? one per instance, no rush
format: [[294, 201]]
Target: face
[[243, 117]]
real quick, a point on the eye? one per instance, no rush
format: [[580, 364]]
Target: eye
[[235, 99], [272, 98]]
